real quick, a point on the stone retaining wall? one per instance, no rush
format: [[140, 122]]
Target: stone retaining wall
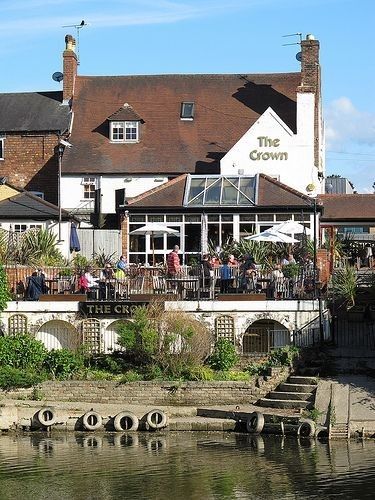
[[155, 393]]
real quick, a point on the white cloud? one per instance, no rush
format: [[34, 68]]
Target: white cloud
[[345, 123]]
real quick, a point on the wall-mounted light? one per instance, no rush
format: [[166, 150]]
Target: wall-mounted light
[[128, 179]]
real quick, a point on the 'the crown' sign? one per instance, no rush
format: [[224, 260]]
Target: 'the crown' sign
[[267, 142]]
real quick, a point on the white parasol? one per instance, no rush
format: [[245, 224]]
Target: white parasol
[[154, 229], [290, 227], [272, 236]]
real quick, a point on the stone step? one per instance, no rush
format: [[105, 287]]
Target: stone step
[[286, 387], [285, 403], [295, 396], [304, 380]]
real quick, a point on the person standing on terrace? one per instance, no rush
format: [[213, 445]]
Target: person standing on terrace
[[173, 262]]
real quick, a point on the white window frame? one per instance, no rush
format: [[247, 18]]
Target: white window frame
[[125, 126], [23, 227], [2, 148], [88, 181]]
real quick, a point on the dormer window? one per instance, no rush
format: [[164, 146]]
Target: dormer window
[[124, 125], [187, 111], [125, 131]]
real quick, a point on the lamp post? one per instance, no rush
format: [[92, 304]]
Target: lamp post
[[60, 155]]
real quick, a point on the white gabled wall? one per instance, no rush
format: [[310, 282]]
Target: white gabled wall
[[270, 147]]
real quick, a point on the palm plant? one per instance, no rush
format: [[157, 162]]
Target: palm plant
[[344, 285], [101, 258], [36, 247]]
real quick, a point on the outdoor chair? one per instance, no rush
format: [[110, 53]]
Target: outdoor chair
[[159, 284]]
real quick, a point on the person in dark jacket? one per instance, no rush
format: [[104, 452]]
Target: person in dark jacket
[[35, 286], [207, 270]]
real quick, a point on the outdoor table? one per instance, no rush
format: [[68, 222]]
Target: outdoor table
[[52, 285], [184, 284]]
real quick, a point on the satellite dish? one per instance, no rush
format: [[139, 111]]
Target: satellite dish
[[299, 56], [57, 76]]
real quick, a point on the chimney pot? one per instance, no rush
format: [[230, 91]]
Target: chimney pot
[[310, 37]]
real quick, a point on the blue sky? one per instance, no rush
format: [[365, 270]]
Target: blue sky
[[208, 36]]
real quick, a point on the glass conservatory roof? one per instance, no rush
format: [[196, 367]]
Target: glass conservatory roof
[[220, 190]]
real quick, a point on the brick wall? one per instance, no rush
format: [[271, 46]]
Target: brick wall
[[31, 162], [163, 394]]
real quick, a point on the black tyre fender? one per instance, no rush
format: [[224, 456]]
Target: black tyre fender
[[92, 421], [156, 419], [255, 422], [46, 416], [306, 428], [125, 421]]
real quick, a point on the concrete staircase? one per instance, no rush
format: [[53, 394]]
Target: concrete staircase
[[298, 393]]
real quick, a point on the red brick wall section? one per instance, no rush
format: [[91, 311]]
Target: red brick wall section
[[31, 162]]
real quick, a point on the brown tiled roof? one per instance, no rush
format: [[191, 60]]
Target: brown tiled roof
[[226, 106], [271, 193], [274, 193], [348, 207], [126, 112], [168, 195]]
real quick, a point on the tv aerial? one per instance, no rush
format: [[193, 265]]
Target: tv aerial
[[77, 27], [299, 54]]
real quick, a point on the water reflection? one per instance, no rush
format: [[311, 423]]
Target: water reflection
[[182, 466]]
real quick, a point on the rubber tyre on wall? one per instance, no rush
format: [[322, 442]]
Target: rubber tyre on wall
[[125, 422], [92, 421], [255, 422], [306, 428], [46, 417], [156, 419]]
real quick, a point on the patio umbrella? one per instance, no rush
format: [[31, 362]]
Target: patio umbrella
[[272, 236], [290, 227], [154, 230], [74, 243]]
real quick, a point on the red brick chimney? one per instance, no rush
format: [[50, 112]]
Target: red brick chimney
[[310, 67], [70, 63], [310, 84]]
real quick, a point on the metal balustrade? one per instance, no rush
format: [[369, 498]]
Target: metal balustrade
[[189, 284]]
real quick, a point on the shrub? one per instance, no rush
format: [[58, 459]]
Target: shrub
[[233, 376], [224, 356], [199, 372], [4, 289], [283, 356], [139, 337], [131, 376], [12, 378], [63, 363], [291, 270], [22, 351]]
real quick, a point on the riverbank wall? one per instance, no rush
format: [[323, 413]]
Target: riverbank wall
[[71, 399]]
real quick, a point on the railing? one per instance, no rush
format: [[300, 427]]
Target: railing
[[189, 283], [316, 332]]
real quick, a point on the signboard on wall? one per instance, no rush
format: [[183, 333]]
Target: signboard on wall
[[113, 309]]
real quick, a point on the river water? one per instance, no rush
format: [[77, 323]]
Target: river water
[[183, 466]]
